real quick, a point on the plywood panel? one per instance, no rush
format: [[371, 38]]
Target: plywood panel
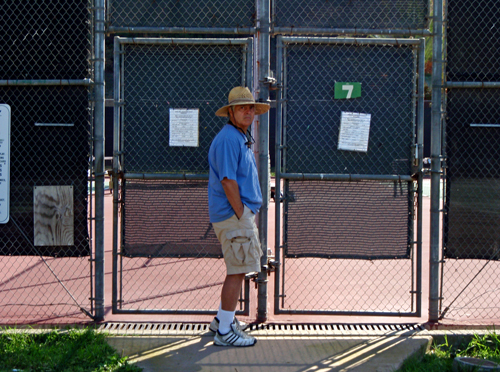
[[53, 216]]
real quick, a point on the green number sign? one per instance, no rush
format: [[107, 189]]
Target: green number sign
[[347, 90]]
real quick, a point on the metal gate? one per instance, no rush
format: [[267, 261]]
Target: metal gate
[[471, 171], [48, 162], [166, 257], [348, 176]]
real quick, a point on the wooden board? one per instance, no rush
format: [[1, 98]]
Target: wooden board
[[53, 216]]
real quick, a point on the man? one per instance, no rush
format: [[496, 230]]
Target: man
[[234, 197]]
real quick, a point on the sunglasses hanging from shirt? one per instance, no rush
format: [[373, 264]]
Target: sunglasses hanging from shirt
[[248, 136]]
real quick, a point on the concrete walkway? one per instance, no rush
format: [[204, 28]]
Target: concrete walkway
[[274, 351]]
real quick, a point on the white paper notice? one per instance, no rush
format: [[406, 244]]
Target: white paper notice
[[184, 126], [4, 163], [354, 131]]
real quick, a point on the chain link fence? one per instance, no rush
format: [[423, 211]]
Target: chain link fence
[[471, 243], [353, 206], [167, 14], [358, 238], [44, 77], [387, 78], [471, 239], [472, 33], [340, 14], [164, 213]]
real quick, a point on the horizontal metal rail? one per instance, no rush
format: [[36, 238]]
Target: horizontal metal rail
[[355, 313], [345, 177], [472, 84], [164, 176], [180, 41], [485, 125], [46, 82], [185, 30], [349, 40], [351, 31]]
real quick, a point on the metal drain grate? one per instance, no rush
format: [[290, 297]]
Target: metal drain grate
[[198, 329]]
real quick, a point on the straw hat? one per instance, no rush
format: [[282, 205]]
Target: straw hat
[[242, 96]]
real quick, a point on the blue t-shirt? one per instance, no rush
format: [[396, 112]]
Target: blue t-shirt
[[229, 157]]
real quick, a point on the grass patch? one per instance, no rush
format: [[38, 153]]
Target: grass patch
[[55, 351], [440, 357]]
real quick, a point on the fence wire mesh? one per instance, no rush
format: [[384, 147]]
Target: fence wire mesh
[[471, 223], [191, 14], [46, 155], [313, 115], [472, 35], [53, 40], [354, 222], [472, 205], [340, 14], [337, 286], [51, 147], [167, 239], [156, 233], [45, 40], [192, 284], [172, 247], [170, 258], [362, 220], [163, 77]]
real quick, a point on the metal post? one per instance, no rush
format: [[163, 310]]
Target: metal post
[[116, 157], [420, 149], [437, 71], [277, 195], [263, 64], [99, 158]]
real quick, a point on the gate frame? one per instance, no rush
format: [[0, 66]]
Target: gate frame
[[118, 175], [420, 45]]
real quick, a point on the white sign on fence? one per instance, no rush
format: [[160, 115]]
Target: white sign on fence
[[354, 131], [4, 163], [184, 127]]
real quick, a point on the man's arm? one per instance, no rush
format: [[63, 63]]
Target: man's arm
[[233, 196]]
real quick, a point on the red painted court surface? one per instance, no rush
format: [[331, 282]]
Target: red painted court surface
[[53, 290]]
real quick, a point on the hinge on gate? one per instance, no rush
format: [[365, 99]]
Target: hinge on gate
[[254, 277], [272, 265], [271, 81], [271, 103], [251, 276]]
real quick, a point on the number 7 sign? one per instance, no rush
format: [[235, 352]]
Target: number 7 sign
[[347, 90]]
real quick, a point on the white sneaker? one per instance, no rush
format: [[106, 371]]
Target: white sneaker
[[234, 337], [214, 326]]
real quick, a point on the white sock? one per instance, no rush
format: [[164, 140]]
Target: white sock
[[225, 320]]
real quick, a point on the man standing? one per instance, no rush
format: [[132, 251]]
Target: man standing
[[234, 198]]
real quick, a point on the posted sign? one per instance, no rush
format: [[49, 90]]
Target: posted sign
[[354, 131], [4, 163], [184, 127], [347, 90]]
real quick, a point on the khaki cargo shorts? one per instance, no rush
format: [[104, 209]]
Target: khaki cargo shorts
[[240, 243]]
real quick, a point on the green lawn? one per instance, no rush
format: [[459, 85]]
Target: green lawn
[[440, 358], [60, 351]]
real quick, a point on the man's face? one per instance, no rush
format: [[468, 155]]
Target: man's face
[[242, 115]]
